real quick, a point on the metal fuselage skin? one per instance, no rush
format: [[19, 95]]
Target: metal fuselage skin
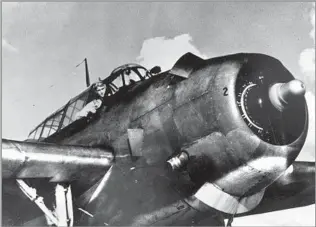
[[197, 114], [176, 114]]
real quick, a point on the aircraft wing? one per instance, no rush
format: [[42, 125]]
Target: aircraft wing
[[32, 171], [133, 193], [296, 188], [129, 193], [59, 163], [142, 194]]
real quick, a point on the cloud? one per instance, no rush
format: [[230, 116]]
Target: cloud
[[312, 20], [307, 61], [165, 52], [308, 150], [307, 56], [307, 65], [7, 46]]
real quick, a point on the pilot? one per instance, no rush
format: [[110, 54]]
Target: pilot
[[128, 79], [100, 89], [91, 108]]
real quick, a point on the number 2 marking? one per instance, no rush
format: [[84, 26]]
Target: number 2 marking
[[225, 89]]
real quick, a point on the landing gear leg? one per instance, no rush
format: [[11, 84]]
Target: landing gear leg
[[63, 214], [229, 221], [64, 205]]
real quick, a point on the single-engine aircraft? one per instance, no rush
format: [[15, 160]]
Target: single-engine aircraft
[[199, 144]]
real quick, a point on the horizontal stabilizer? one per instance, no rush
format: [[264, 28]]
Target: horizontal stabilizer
[[58, 162]]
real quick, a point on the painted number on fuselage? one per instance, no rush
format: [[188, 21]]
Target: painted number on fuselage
[[225, 89]]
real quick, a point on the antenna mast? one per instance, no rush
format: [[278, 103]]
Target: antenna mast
[[87, 72]]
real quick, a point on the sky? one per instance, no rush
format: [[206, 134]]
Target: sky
[[43, 42]]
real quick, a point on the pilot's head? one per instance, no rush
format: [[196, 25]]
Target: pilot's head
[[100, 89], [127, 71]]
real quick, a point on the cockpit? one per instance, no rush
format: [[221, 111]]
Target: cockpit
[[124, 76], [120, 78]]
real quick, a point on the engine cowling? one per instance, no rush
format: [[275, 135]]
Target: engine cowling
[[258, 123]]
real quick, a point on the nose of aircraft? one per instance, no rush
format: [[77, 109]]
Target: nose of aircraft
[[257, 118]]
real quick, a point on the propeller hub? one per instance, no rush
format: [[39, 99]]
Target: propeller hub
[[281, 94]]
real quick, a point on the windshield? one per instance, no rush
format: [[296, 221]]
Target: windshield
[[126, 75]]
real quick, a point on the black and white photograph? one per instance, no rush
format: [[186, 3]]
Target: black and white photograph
[[135, 113]]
